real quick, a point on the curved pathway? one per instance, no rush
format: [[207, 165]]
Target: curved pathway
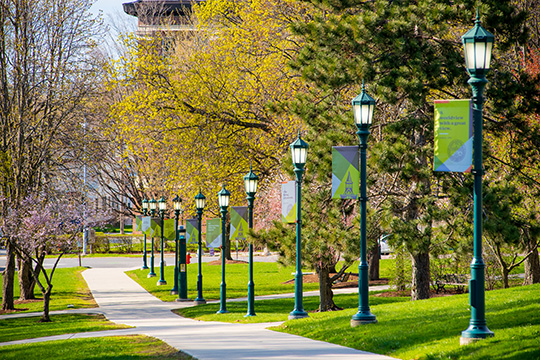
[[124, 301]]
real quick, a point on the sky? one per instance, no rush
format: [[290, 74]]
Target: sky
[[114, 14]]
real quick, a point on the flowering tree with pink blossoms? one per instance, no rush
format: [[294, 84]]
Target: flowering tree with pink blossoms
[[43, 226]]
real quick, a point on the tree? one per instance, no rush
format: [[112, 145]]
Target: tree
[[409, 53], [213, 89], [46, 70], [44, 226]]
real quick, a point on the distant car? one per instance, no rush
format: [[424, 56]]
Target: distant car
[[385, 249]]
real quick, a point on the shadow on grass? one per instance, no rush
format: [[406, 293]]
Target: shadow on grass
[[273, 310]]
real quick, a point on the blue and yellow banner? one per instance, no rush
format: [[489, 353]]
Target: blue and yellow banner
[[345, 172], [453, 136]]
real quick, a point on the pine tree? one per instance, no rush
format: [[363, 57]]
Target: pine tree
[[409, 53]]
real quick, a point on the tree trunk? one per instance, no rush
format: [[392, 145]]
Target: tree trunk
[[420, 276], [46, 300], [9, 279], [122, 224], [325, 290], [399, 277], [228, 249], [373, 259], [504, 272], [532, 266], [26, 280]]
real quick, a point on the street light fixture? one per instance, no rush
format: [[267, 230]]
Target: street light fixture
[[200, 202], [177, 203], [152, 204], [299, 150], [162, 208], [250, 183], [145, 213], [223, 198], [477, 43], [363, 107]]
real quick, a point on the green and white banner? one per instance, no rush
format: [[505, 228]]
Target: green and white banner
[[239, 225], [288, 202], [213, 233], [192, 231], [345, 172], [168, 229], [138, 223], [150, 226], [453, 136]]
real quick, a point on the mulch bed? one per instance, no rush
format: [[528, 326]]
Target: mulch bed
[[18, 302]]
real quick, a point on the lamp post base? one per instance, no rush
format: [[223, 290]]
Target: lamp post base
[[295, 314], [183, 300], [144, 267], [161, 282], [363, 319], [248, 315], [222, 312], [199, 301], [174, 292], [475, 333], [151, 275]]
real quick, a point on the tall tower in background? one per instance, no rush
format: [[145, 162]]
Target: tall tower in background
[[163, 16]]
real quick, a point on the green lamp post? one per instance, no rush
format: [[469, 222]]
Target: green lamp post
[[477, 43], [145, 213], [200, 202], [152, 204], [250, 183], [223, 198], [363, 107], [299, 150], [162, 208], [177, 203]]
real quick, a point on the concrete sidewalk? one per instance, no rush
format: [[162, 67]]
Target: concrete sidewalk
[[124, 301]]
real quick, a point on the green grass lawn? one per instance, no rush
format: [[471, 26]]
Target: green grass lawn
[[430, 329], [29, 328], [69, 288], [268, 279], [136, 347]]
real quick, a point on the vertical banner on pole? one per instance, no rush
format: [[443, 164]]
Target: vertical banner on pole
[[150, 226], [192, 231], [138, 223], [345, 172], [213, 233], [155, 227], [288, 202], [239, 225], [168, 229], [453, 135]]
